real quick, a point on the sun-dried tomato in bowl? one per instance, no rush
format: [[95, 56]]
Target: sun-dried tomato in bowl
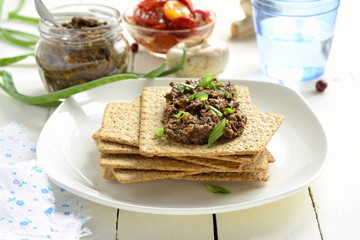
[[160, 24]]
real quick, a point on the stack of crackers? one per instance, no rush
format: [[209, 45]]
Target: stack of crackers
[[131, 152]]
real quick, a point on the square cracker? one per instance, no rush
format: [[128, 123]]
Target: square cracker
[[133, 175], [155, 163], [119, 121], [108, 147], [228, 176], [258, 131], [259, 163]]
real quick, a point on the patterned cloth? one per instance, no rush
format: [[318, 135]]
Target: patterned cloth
[[30, 206]]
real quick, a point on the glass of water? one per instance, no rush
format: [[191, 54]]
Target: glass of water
[[294, 36]]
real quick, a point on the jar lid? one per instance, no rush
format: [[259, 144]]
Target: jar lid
[[296, 7]]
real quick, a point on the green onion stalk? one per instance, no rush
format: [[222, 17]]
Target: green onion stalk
[[54, 99], [15, 14]]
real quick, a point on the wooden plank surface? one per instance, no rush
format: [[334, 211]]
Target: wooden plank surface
[[139, 226], [291, 218], [330, 212]]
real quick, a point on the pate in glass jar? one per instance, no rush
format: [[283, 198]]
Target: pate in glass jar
[[90, 45]]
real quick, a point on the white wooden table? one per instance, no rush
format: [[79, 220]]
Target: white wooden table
[[328, 209]]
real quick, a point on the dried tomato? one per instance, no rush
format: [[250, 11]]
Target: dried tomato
[[188, 4], [162, 42], [182, 23], [201, 17], [149, 14]]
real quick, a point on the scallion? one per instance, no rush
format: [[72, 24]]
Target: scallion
[[227, 94], [160, 133], [54, 99], [217, 189], [215, 110], [228, 111], [217, 132], [9, 87], [182, 87], [156, 72], [20, 38], [180, 114], [206, 81], [11, 60], [176, 67], [15, 14], [202, 96]]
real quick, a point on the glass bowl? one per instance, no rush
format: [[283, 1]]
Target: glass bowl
[[158, 42]]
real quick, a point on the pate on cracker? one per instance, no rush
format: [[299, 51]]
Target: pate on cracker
[[130, 151]]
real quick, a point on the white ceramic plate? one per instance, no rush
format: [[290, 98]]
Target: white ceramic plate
[[68, 154]]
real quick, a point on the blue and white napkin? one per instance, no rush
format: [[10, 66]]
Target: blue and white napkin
[[30, 206]]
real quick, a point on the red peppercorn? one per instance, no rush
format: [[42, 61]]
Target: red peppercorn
[[321, 85], [134, 47]]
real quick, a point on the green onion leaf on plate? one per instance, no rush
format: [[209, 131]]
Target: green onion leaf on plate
[[217, 189]]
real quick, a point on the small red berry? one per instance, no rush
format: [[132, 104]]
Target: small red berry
[[134, 47], [321, 85]]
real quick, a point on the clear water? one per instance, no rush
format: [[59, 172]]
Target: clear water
[[290, 56]]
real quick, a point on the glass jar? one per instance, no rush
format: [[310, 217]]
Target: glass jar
[[89, 46]]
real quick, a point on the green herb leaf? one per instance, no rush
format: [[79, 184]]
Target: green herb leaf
[[206, 81], [215, 110], [227, 94], [212, 86], [159, 72], [156, 72], [50, 98], [53, 99], [218, 84], [10, 60], [199, 95], [1, 8], [19, 38], [217, 132], [183, 86], [217, 189], [177, 67], [180, 114], [15, 14], [19, 7], [160, 133], [228, 111]]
